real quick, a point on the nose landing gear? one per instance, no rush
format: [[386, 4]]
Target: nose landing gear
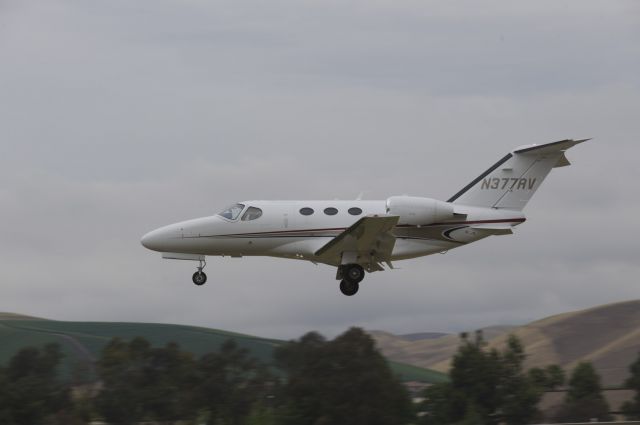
[[199, 277], [352, 275]]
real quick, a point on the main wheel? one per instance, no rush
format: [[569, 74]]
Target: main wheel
[[354, 273], [199, 278], [349, 288]]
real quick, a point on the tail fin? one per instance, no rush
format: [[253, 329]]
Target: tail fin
[[513, 180]]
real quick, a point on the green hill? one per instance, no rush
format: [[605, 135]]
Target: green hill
[[15, 316], [82, 342]]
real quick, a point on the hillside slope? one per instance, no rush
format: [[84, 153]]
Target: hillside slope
[[608, 336], [426, 353], [82, 342]]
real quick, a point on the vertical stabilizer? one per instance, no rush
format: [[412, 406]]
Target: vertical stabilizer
[[512, 181]]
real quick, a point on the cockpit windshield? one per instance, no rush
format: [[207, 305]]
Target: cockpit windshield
[[233, 212]]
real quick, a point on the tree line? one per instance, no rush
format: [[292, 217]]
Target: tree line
[[491, 387], [312, 381]]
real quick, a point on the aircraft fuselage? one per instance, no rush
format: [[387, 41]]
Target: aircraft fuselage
[[283, 231]]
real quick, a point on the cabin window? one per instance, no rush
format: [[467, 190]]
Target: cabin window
[[330, 211], [355, 211], [251, 214], [306, 211], [233, 212]]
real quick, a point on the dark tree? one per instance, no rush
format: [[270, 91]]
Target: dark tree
[[631, 408], [584, 400], [444, 405], [487, 387], [476, 373], [548, 378], [555, 377], [345, 381], [119, 369], [145, 383], [519, 398], [232, 386], [29, 389]]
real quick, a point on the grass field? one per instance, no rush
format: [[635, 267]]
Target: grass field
[[82, 342]]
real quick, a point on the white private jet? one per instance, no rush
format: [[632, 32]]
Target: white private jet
[[358, 236]]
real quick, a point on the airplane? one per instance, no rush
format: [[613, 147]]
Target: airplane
[[364, 236]]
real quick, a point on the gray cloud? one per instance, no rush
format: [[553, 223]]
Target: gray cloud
[[119, 117]]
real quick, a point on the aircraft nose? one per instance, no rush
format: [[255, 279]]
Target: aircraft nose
[[156, 240]]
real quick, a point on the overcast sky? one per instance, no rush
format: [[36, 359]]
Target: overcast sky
[[119, 116]]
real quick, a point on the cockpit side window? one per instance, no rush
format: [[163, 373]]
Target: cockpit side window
[[251, 214], [233, 212]]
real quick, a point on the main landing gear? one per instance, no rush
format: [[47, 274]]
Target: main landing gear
[[352, 275], [199, 277]]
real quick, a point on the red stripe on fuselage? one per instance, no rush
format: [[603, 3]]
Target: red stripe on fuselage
[[403, 226]]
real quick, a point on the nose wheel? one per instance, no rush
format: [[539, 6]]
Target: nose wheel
[[199, 277]]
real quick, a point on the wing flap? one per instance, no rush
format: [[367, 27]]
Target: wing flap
[[369, 239]]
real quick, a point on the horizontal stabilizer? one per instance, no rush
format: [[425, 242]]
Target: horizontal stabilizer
[[552, 147]]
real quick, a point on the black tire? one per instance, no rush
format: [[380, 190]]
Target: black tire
[[199, 278], [354, 273], [349, 288]]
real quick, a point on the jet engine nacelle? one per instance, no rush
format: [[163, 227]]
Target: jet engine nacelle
[[417, 211]]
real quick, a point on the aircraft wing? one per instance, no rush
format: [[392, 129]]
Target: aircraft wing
[[367, 242]]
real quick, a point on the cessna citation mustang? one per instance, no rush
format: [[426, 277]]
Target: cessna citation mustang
[[358, 236]]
